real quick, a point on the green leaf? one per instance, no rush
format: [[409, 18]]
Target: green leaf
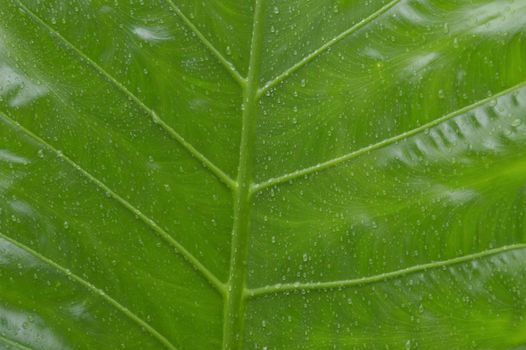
[[265, 174]]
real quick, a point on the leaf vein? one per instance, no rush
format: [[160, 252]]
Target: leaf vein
[[233, 322], [179, 248], [294, 287], [389, 141], [310, 57], [13, 343], [152, 331], [203, 160], [230, 67]]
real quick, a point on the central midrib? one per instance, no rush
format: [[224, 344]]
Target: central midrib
[[243, 192]]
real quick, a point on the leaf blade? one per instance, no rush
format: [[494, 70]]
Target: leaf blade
[[384, 164]]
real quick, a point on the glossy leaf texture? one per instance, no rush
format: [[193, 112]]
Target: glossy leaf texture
[[263, 174]]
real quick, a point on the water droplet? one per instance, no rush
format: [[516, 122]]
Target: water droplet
[[155, 118], [516, 123]]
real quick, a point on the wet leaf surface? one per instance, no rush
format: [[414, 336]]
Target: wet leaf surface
[[265, 174]]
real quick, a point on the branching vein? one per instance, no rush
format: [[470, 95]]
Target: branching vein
[[292, 287], [338, 160], [13, 343], [226, 63], [208, 275], [310, 57], [220, 174], [97, 291]]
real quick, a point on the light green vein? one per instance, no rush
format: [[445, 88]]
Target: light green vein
[[310, 57], [338, 160], [235, 299], [230, 67], [292, 287], [13, 343], [220, 174], [194, 262], [95, 290]]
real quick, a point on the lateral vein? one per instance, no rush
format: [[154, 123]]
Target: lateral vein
[[207, 274], [310, 57], [143, 324], [203, 160], [338, 160], [293, 287], [230, 67], [13, 343]]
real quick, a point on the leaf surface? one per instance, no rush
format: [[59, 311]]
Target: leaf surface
[[330, 174]]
